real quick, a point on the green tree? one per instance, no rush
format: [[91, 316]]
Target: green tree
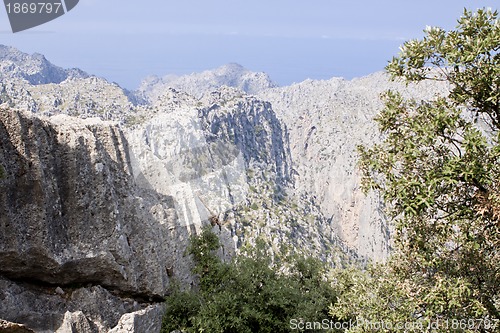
[[248, 294], [438, 170]]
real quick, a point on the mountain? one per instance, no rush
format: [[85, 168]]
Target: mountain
[[198, 84], [34, 68], [327, 120], [102, 188]]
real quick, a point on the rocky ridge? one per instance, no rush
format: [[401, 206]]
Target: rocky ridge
[[327, 120], [34, 69], [198, 84]]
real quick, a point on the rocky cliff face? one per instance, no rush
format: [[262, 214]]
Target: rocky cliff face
[[326, 121], [70, 212], [71, 215], [227, 156]]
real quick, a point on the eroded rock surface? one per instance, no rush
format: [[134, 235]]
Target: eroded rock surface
[[71, 214], [8, 327]]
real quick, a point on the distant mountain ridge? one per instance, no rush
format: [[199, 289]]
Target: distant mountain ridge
[[197, 84], [35, 68]]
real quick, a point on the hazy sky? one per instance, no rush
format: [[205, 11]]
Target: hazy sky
[[125, 40]]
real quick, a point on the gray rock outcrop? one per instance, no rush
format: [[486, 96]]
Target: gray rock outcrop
[[70, 212], [72, 215]]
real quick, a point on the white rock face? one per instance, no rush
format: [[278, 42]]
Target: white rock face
[[171, 152], [74, 322], [327, 120], [147, 320], [198, 84], [34, 68]]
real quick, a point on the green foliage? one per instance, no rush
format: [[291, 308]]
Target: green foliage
[[439, 174], [467, 57], [249, 294], [373, 297]]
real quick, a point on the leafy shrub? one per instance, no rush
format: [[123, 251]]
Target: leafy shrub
[[248, 294]]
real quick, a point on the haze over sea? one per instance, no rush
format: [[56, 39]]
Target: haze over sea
[[125, 41]]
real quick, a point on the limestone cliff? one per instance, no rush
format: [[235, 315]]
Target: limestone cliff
[[71, 216], [326, 121]]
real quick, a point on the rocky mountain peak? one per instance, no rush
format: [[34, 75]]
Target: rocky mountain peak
[[199, 84], [34, 68]]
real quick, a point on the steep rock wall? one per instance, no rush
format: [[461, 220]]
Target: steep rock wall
[[71, 214], [326, 122]]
